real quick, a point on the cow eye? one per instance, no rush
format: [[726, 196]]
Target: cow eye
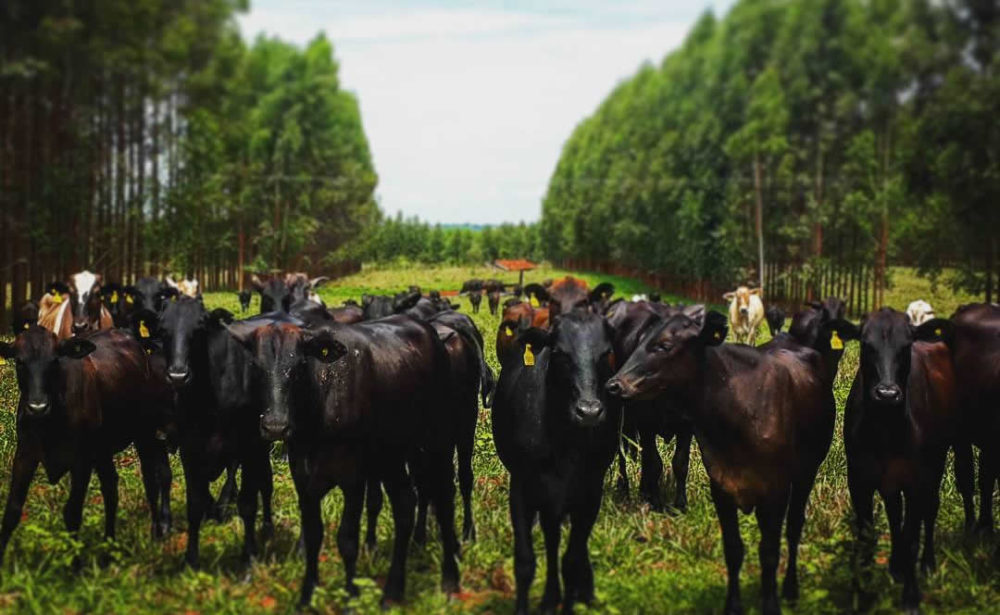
[[665, 346]]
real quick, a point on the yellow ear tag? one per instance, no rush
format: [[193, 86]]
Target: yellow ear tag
[[507, 331], [529, 357], [27, 325], [56, 297], [718, 335], [835, 342], [937, 332], [149, 351], [325, 351], [128, 299], [143, 330], [3, 361], [534, 301], [114, 296]]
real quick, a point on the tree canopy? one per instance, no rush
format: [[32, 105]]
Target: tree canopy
[[860, 132]]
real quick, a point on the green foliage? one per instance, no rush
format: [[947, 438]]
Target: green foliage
[[855, 115]]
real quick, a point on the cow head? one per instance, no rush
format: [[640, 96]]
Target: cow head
[[581, 359], [669, 357], [281, 354], [740, 299], [85, 287], [886, 343], [24, 317], [36, 354], [919, 312], [179, 326]]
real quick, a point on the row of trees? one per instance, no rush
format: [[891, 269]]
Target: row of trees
[[803, 145], [402, 239], [144, 137]]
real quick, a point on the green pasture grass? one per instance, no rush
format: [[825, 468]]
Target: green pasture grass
[[644, 561]]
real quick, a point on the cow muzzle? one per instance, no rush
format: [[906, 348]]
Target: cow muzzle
[[273, 428], [178, 376], [588, 412], [889, 394], [37, 408]]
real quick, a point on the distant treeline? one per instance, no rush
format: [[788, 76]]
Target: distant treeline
[[148, 137], [402, 239], [820, 138]]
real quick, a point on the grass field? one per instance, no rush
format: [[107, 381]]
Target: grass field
[[644, 562]]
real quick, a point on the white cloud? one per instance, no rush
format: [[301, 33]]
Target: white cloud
[[466, 110]]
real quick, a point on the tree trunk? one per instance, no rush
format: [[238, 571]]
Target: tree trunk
[[759, 217]]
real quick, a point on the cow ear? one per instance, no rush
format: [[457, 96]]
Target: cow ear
[[816, 305], [219, 317], [406, 302], [757, 291], [538, 338], [729, 296], [714, 329], [317, 282], [145, 324], [367, 300], [840, 329], [604, 289], [935, 330], [695, 312], [322, 346], [537, 290], [75, 348]]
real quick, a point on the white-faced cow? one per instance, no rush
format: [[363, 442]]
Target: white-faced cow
[[746, 311]]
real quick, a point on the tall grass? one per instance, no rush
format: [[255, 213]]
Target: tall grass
[[645, 562]]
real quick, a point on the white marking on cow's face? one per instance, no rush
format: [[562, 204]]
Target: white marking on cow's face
[[919, 312], [83, 282]]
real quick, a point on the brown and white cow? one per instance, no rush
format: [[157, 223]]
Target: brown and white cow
[[746, 312], [74, 307]]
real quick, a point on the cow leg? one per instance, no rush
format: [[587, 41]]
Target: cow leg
[[266, 484], [522, 517], [402, 499], [680, 465], [349, 532], [420, 528], [246, 504], [152, 468], [793, 534], [652, 469], [862, 496], [22, 472], [894, 512], [221, 508], [987, 478], [770, 515], [732, 545], [551, 533], [198, 502], [442, 482], [312, 536], [577, 572], [465, 445], [965, 479], [932, 499], [916, 506], [373, 495]]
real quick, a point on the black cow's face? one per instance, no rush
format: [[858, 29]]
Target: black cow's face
[[886, 343], [148, 294], [281, 352], [36, 353], [667, 358], [581, 360], [178, 325], [274, 295], [376, 306]]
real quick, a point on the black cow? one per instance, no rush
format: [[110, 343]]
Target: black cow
[[763, 422], [357, 403], [274, 293], [775, 317], [374, 307], [493, 297], [244, 297], [473, 285], [976, 355], [899, 422], [24, 317], [644, 420], [556, 431], [569, 293], [83, 400], [217, 414], [476, 299], [147, 294]]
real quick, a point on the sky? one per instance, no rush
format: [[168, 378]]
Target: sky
[[466, 105]]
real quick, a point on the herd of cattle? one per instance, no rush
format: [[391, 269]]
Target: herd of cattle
[[383, 396]]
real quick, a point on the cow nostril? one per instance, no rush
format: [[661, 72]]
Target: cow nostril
[[614, 387], [888, 393], [38, 406], [178, 375]]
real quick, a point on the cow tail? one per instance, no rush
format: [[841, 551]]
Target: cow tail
[[487, 382]]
